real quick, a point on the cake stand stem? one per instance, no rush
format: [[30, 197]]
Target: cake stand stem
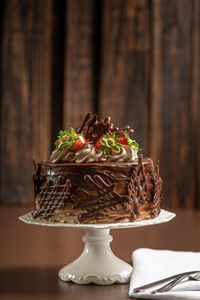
[[97, 264]]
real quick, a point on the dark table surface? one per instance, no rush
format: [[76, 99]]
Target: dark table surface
[[31, 256]]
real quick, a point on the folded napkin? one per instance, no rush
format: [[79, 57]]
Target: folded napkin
[[152, 265]]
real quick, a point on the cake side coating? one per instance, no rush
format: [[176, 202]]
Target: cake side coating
[[100, 192]]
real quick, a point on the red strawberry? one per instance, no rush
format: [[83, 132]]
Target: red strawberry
[[71, 141], [126, 140], [78, 143], [98, 144], [123, 140]]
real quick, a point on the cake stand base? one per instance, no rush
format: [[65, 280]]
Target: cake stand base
[[97, 264]]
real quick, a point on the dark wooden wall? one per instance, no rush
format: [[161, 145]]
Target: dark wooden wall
[[135, 60]]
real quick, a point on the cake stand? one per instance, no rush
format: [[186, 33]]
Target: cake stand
[[97, 264]]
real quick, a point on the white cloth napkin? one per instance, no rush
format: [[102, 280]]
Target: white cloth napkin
[[152, 265]]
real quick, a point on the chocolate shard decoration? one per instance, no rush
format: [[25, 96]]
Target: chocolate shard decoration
[[157, 189], [83, 126], [120, 131], [103, 200], [93, 129], [35, 177], [132, 191], [52, 196], [141, 185]]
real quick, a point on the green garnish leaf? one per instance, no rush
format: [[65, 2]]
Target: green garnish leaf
[[110, 143], [66, 139], [134, 145]]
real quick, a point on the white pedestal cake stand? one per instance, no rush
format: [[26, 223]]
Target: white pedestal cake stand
[[97, 264]]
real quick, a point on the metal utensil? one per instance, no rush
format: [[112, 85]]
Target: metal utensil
[[176, 281], [170, 285], [145, 287], [195, 277]]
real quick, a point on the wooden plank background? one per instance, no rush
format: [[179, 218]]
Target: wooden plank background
[[135, 60]]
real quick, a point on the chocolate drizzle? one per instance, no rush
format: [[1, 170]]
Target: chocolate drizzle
[[52, 197], [102, 200], [114, 177]]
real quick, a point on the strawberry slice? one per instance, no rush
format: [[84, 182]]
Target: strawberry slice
[[71, 141]]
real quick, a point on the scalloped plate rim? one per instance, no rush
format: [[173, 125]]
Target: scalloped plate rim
[[97, 279], [164, 216]]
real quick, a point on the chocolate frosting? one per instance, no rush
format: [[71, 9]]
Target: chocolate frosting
[[98, 190]]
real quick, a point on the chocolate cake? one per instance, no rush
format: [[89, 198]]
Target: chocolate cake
[[95, 176]]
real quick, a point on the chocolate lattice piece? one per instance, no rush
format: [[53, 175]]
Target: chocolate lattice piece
[[52, 196], [104, 200]]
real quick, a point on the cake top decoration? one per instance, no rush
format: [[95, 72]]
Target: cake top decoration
[[95, 141]]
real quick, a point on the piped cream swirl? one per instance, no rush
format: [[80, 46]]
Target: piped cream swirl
[[126, 153], [89, 153]]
